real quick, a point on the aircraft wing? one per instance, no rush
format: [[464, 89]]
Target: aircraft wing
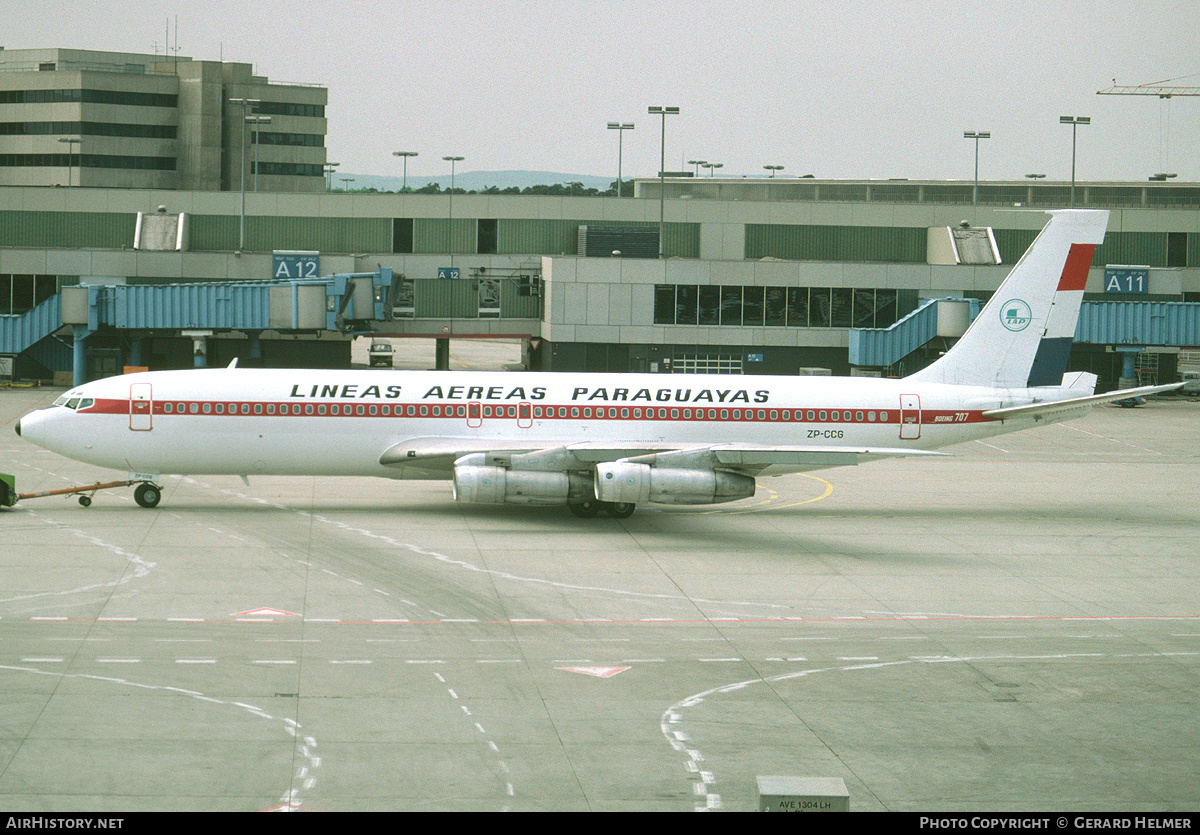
[[1051, 408], [441, 453]]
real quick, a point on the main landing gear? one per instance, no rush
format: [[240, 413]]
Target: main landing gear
[[589, 508]]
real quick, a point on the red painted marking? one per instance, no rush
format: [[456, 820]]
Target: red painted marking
[[476, 412], [1075, 270], [783, 621]]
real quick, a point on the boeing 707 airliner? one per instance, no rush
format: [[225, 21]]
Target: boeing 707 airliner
[[598, 442]]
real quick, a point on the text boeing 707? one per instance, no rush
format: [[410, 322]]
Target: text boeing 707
[[598, 441]]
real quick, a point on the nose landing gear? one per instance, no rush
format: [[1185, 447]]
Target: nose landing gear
[[147, 494]]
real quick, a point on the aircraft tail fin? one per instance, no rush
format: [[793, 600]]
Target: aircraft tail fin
[[1023, 335]]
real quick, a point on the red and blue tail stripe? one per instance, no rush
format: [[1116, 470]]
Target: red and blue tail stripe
[[1050, 361]]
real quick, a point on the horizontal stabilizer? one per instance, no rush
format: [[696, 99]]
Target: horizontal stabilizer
[[1053, 407]]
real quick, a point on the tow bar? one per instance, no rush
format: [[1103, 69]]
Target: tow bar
[[146, 495]]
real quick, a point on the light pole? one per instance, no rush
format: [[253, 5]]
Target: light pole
[[976, 135], [257, 120], [620, 128], [452, 161], [450, 212], [1035, 178], [662, 172], [72, 141], [1074, 122], [405, 155], [697, 163], [712, 166], [242, 127], [329, 169], [773, 169]]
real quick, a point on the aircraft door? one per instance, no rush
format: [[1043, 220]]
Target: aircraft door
[[474, 414], [524, 415], [910, 417], [141, 407]]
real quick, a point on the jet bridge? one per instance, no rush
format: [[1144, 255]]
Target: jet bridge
[[1128, 326], [341, 304]]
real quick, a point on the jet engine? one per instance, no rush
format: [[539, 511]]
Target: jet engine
[[627, 482], [499, 485]]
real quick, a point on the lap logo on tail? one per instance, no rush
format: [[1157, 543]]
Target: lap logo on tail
[[1015, 315]]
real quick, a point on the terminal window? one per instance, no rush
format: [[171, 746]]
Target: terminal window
[[797, 307], [21, 293], [706, 364]]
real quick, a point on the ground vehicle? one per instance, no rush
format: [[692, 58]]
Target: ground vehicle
[[380, 353], [1191, 383]]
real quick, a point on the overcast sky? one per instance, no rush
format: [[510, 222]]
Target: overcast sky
[[834, 89]]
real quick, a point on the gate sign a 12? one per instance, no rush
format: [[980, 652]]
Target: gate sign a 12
[[294, 264]]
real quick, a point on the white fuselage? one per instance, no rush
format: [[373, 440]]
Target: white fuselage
[[316, 422]]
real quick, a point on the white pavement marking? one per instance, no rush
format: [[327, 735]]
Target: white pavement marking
[[140, 567], [448, 560], [308, 764], [673, 715], [501, 763]]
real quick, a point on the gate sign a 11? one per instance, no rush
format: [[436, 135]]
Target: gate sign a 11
[[295, 264], [1127, 280]]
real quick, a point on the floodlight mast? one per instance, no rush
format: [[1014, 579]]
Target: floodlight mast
[[253, 103], [655, 110], [620, 128], [976, 135], [405, 155], [1074, 122]]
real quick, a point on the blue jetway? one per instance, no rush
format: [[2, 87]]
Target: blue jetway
[[18, 333], [884, 347], [1128, 326], [343, 303]]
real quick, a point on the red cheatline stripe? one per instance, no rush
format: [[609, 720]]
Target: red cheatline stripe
[[1075, 271], [457, 412]]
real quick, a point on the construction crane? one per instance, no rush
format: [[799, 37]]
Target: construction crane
[[1158, 88], [1165, 89]]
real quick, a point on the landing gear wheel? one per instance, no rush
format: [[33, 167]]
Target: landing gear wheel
[[585, 509], [147, 495], [621, 510], [86, 501]]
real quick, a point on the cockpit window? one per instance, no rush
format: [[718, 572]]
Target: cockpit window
[[75, 402]]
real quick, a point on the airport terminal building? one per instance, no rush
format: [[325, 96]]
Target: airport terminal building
[[124, 173], [72, 117], [751, 282]]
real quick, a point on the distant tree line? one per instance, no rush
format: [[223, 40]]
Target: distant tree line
[[556, 190]]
